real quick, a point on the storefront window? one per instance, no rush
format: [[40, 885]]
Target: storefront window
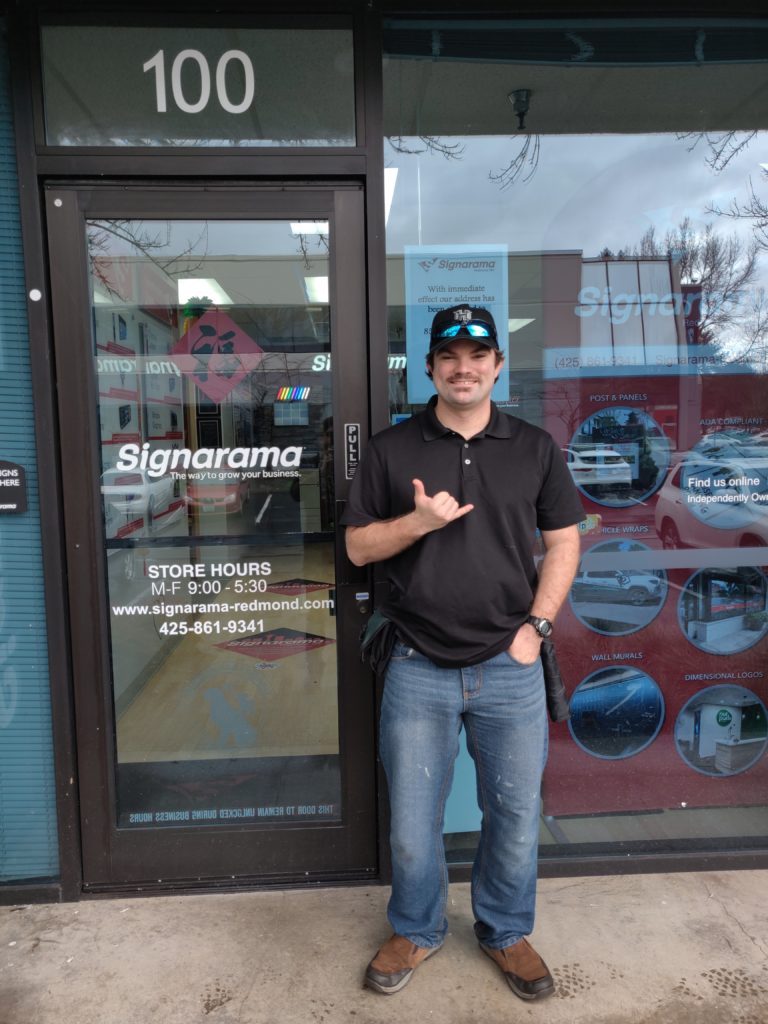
[[603, 190]]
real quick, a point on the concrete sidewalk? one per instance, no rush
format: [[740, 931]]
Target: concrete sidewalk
[[642, 949]]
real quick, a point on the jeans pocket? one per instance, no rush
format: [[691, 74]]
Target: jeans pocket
[[401, 651], [521, 664]]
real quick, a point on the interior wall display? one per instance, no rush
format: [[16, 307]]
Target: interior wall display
[[218, 525]]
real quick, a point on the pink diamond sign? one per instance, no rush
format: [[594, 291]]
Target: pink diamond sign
[[216, 354]]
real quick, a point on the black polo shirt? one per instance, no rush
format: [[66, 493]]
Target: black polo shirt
[[460, 593]]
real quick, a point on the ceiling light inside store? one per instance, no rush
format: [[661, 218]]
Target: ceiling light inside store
[[202, 288], [309, 227], [316, 289], [390, 180], [518, 325]]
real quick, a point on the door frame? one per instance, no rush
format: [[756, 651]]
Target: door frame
[[113, 857]]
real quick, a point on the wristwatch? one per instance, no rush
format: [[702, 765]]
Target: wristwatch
[[542, 626]]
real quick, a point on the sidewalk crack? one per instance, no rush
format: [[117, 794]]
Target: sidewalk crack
[[729, 913]]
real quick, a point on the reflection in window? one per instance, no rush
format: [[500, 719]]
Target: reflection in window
[[725, 611], [637, 331], [618, 601], [616, 713], [215, 412], [291, 414]]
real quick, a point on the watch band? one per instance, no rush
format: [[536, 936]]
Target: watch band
[[543, 627]]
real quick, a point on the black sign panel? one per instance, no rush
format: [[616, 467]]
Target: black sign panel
[[13, 488]]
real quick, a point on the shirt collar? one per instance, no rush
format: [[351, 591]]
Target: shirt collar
[[499, 425]]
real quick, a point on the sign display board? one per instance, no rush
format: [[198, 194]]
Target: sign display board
[[667, 621], [13, 488]]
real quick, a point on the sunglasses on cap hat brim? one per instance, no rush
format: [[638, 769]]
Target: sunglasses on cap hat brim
[[475, 329]]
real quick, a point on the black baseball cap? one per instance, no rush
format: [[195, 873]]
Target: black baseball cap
[[462, 322]]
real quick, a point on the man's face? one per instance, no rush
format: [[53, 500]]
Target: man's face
[[464, 373]]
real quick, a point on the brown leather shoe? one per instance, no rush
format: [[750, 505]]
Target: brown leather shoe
[[526, 973], [392, 967]]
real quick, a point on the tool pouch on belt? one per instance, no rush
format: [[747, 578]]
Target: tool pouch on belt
[[377, 638], [557, 701]]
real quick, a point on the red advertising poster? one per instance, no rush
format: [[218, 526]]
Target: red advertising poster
[[663, 640]]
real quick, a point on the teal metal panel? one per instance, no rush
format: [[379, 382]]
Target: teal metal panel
[[28, 834]]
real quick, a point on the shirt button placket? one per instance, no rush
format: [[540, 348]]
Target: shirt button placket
[[467, 467]]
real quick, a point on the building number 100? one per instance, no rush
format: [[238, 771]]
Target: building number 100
[[157, 64]]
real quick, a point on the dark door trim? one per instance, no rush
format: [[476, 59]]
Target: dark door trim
[[115, 857]]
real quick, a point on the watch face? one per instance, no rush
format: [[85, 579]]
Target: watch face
[[542, 626]]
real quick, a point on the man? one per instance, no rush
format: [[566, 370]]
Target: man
[[450, 500]]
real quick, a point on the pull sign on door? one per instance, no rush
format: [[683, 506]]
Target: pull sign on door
[[351, 448]]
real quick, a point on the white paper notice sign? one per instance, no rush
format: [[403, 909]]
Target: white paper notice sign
[[439, 276]]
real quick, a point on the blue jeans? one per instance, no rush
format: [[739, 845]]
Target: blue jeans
[[501, 704]]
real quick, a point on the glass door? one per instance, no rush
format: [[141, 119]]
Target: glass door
[[210, 349]]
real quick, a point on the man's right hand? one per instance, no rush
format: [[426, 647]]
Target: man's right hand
[[436, 512], [387, 538]]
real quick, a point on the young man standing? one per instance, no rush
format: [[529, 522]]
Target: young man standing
[[451, 500]]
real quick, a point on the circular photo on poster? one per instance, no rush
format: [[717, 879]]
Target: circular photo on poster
[[616, 712], [722, 730], [724, 481], [618, 456], [613, 598], [724, 611]]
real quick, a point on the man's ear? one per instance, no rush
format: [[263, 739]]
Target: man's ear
[[499, 364]]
